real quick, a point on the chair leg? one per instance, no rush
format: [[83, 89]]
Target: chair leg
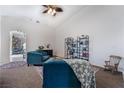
[[116, 69], [113, 70]]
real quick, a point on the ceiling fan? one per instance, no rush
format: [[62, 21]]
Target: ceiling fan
[[52, 9]]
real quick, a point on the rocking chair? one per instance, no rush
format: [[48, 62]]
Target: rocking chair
[[112, 64]]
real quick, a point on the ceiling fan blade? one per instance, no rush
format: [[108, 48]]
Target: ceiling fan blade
[[45, 6], [59, 9], [45, 11], [54, 14], [50, 6]]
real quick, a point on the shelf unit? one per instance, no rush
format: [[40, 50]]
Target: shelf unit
[[78, 48]]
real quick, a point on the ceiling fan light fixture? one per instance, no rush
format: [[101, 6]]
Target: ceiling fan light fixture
[[49, 11], [53, 12], [52, 9]]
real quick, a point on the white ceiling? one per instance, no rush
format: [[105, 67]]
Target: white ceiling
[[34, 12]]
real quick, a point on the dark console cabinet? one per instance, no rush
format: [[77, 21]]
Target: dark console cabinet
[[49, 52]]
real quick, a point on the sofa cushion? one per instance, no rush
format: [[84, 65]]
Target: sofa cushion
[[45, 58]]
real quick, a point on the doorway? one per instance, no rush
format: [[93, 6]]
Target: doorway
[[17, 46]]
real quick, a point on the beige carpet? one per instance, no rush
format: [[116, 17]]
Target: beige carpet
[[20, 77], [31, 77], [105, 79]]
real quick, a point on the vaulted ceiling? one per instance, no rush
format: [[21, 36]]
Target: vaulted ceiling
[[34, 12]]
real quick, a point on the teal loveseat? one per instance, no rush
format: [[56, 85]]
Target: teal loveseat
[[37, 57]]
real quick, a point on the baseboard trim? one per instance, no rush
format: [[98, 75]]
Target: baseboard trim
[[2, 63], [98, 66]]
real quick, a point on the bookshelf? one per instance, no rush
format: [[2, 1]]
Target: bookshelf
[[77, 48]]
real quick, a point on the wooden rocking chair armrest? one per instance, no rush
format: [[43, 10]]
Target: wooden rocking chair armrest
[[107, 64], [107, 61]]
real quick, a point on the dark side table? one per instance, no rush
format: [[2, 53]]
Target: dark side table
[[49, 52]]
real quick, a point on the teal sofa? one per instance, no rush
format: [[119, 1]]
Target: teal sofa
[[36, 57]]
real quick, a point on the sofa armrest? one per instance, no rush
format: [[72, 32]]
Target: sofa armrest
[[34, 52], [34, 58]]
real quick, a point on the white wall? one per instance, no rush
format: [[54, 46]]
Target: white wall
[[0, 40], [103, 24], [36, 34], [105, 27]]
